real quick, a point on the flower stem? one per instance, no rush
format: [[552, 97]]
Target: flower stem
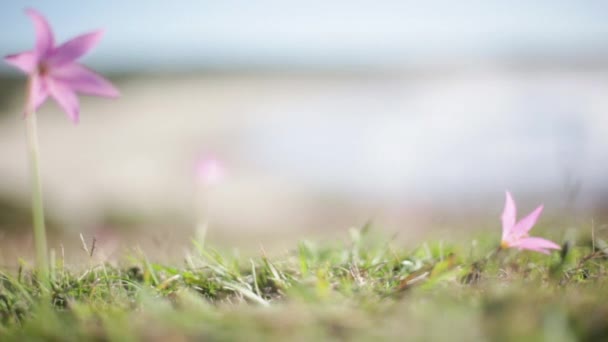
[[202, 210], [37, 205], [493, 253]]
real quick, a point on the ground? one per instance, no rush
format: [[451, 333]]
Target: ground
[[363, 287]]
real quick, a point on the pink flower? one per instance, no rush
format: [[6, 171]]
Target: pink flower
[[53, 69], [515, 235], [209, 170]]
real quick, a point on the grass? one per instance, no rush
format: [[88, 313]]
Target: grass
[[364, 288]]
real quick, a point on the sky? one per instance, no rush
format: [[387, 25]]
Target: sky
[[184, 34]]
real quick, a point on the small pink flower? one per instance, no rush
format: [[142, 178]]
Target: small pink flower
[[53, 69], [209, 170], [515, 234]]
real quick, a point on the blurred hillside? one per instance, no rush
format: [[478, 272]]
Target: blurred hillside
[[307, 151]]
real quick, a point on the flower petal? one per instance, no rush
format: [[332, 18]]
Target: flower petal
[[44, 34], [25, 61], [83, 80], [74, 48], [522, 227], [535, 243], [66, 98], [508, 215], [209, 171], [38, 92]]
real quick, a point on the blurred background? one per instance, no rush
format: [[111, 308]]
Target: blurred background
[[325, 115]]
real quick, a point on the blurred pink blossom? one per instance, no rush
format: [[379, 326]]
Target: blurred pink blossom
[[53, 69], [209, 171], [515, 234]]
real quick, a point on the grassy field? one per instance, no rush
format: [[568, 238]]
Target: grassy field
[[362, 288]]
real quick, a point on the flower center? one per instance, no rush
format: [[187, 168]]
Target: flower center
[[43, 69]]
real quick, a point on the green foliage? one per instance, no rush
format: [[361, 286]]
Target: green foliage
[[361, 289]]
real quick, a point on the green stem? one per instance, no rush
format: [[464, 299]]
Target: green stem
[[202, 210], [493, 253], [37, 205]]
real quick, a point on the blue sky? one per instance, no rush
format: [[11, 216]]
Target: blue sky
[[183, 34]]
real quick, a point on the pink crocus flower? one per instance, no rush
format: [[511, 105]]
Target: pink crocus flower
[[53, 70], [515, 234], [209, 170]]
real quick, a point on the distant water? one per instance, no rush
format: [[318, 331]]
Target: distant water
[[469, 134]]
